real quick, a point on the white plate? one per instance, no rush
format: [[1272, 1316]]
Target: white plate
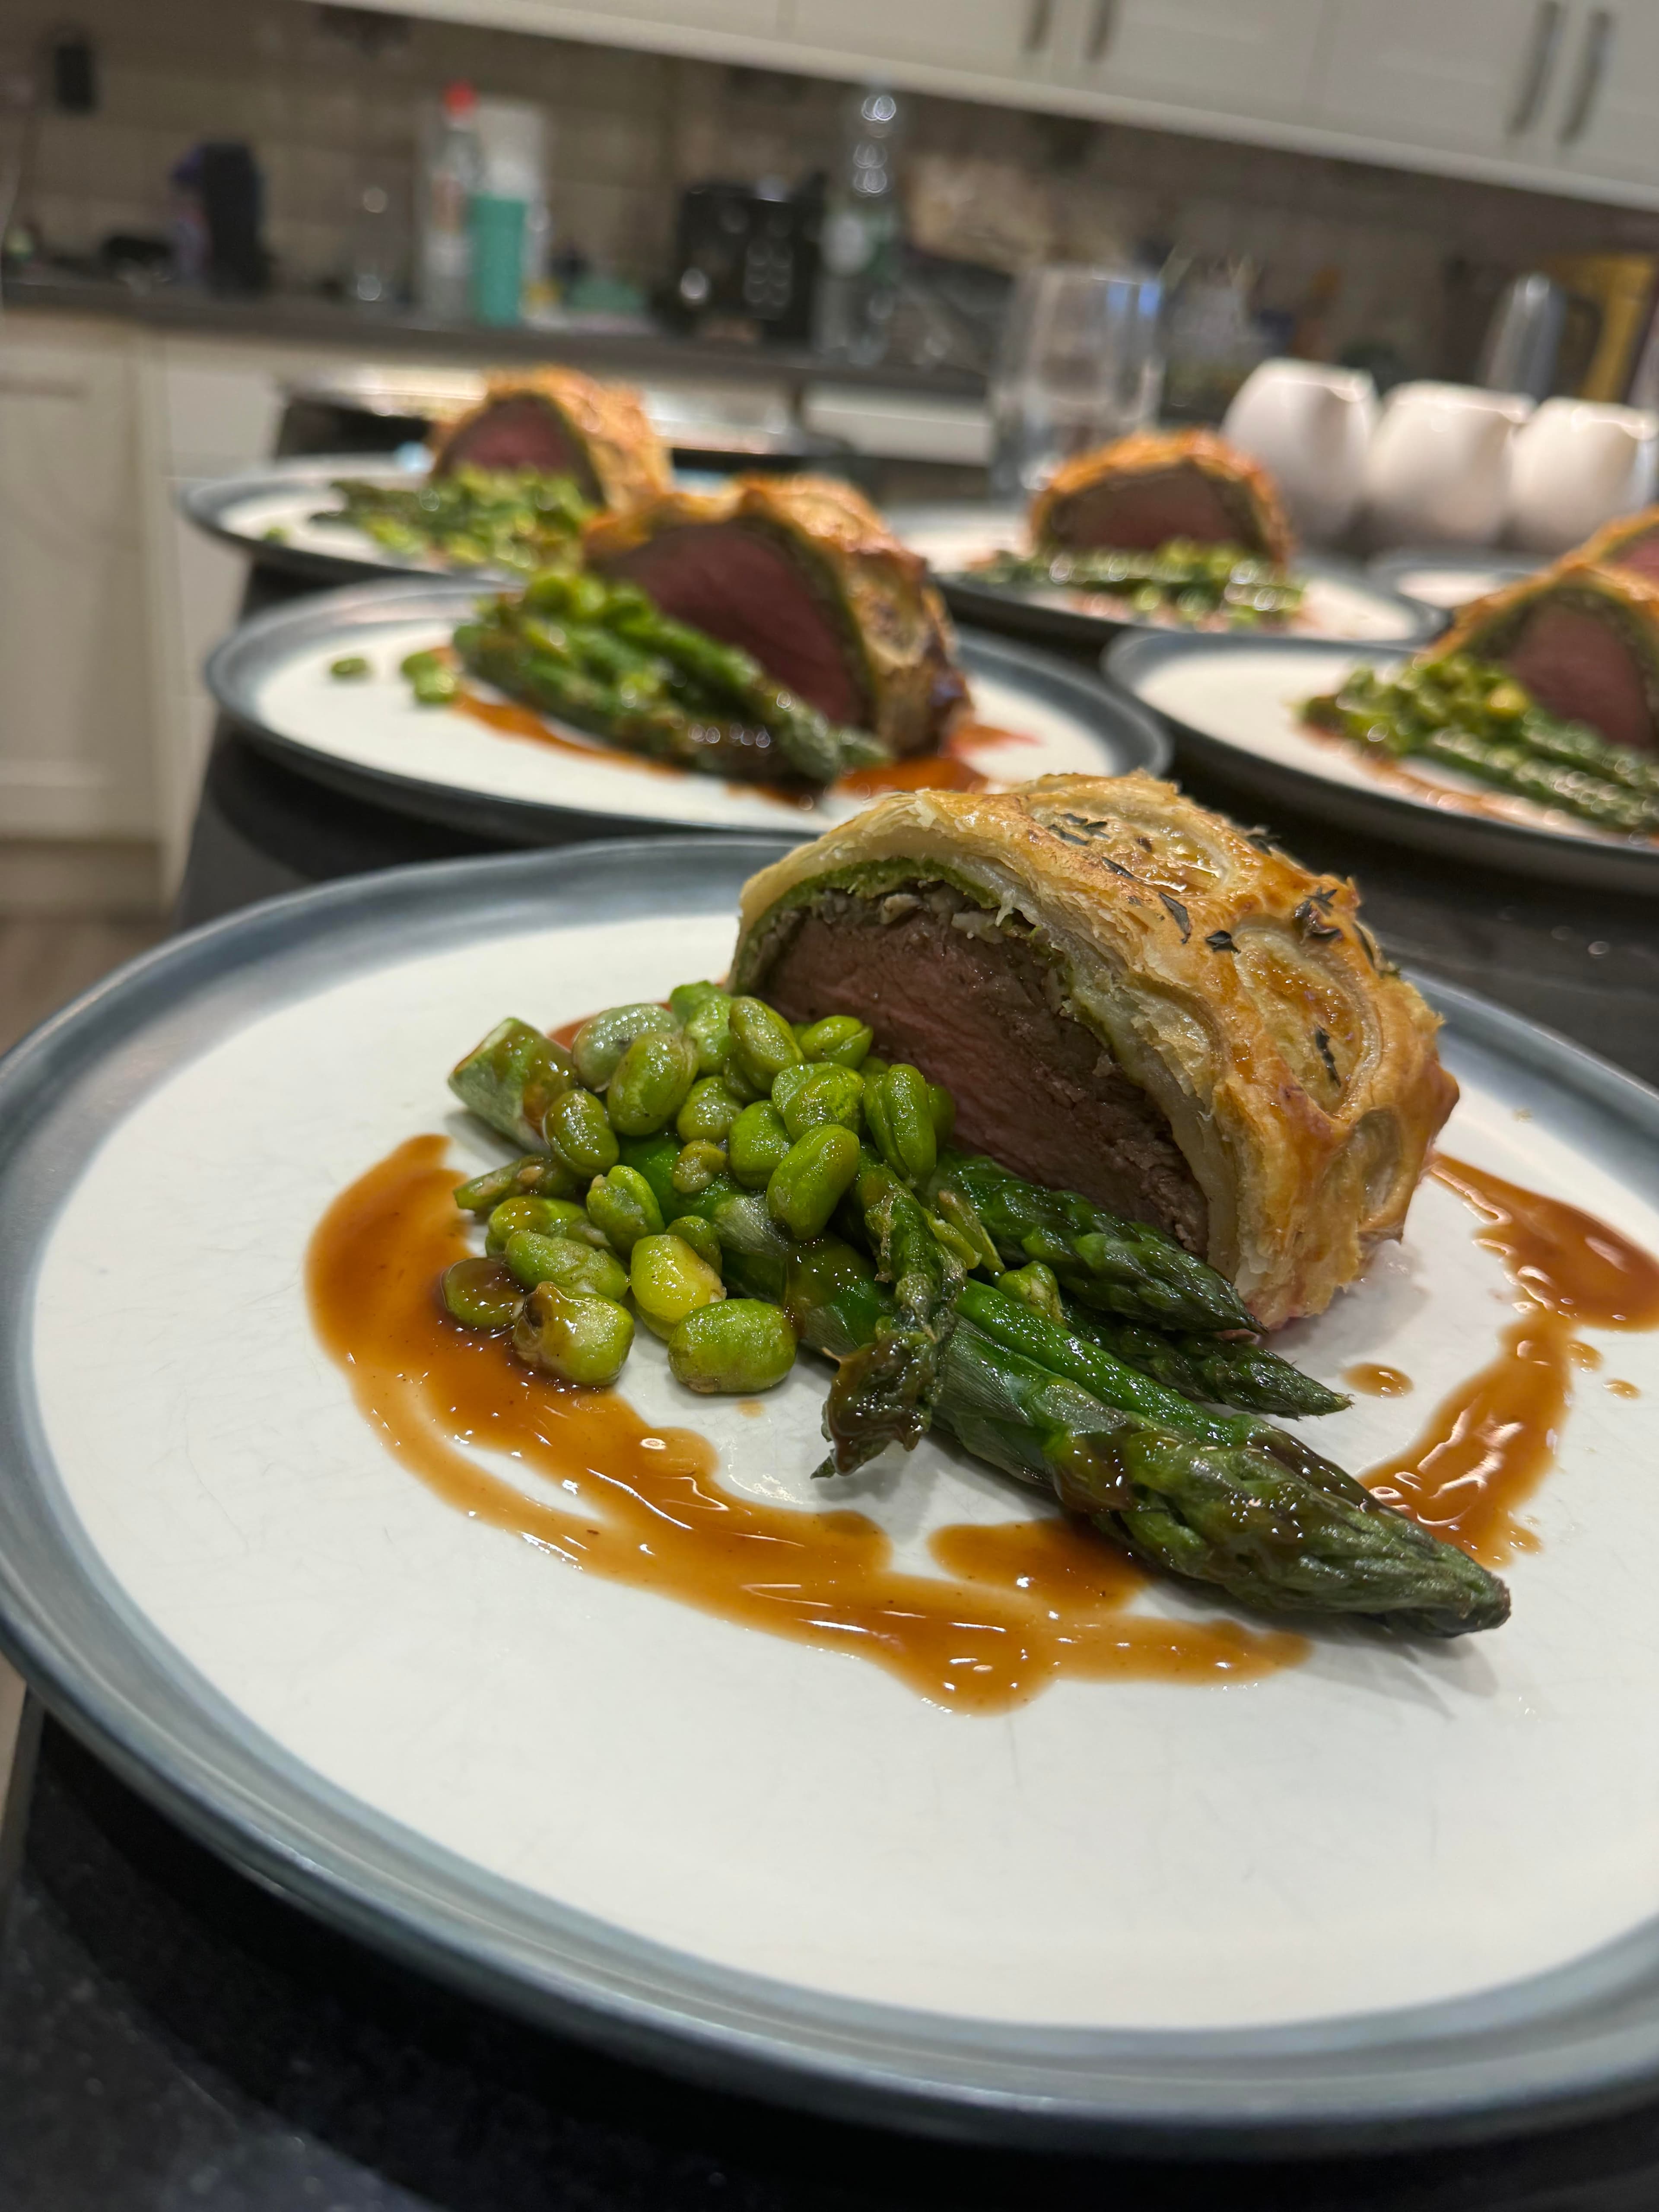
[[1341, 600], [272, 675], [1393, 1888], [1238, 701]]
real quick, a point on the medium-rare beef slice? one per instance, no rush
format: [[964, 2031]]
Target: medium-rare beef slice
[[562, 424], [978, 1009], [1583, 639], [1139, 492], [802, 573]]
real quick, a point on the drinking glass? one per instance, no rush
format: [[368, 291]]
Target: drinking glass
[[1080, 363]]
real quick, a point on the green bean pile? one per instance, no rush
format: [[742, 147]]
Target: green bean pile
[[1468, 714], [513, 519], [743, 1186], [1220, 587], [603, 657]]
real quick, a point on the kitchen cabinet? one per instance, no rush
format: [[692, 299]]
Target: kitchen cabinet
[[1006, 40], [1607, 124], [1477, 74], [75, 730], [1250, 56]]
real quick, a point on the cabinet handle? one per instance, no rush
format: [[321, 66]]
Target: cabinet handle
[[1598, 44], [1539, 62], [1104, 29], [1039, 22]]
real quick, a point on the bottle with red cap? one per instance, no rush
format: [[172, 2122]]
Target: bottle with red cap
[[449, 177]]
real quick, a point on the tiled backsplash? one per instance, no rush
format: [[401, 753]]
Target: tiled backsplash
[[328, 100]]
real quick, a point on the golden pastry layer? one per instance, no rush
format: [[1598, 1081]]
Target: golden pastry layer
[[1129, 995]]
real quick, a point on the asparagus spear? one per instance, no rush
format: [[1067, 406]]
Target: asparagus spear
[[1220, 1370], [883, 1392], [1237, 1506], [1125, 1268]]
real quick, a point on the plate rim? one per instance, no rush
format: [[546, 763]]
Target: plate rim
[[1522, 848], [1390, 2078], [1136, 730]]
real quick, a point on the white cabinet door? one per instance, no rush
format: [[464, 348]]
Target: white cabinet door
[[1238, 56], [1606, 122], [74, 691], [1475, 76], [1003, 39]]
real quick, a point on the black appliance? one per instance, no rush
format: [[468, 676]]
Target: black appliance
[[747, 254]]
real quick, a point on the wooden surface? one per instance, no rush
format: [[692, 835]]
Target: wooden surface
[[47, 959]]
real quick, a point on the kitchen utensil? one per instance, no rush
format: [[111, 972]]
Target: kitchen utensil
[[1310, 426], [766, 1867], [1437, 468], [1524, 338], [1080, 363], [1575, 465], [443, 763], [1234, 704]]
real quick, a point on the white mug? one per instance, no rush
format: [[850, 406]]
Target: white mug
[[1309, 427], [1438, 470], [1576, 465]]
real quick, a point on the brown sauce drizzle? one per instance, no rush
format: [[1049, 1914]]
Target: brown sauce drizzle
[[1620, 1388], [1028, 1602], [1491, 1441], [1372, 1379], [944, 770]]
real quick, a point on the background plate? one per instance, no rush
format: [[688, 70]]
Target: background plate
[[1394, 1893], [1343, 602], [1446, 577], [1233, 701], [242, 510], [370, 737]]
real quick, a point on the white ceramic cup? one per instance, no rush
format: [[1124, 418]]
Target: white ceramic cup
[[1438, 470], [1309, 427], [1577, 464]]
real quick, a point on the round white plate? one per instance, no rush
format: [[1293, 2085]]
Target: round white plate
[[370, 736], [1237, 702], [1341, 601], [1448, 578], [1397, 1890], [271, 512]]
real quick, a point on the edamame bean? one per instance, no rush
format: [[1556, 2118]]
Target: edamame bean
[[579, 1134], [530, 1259], [709, 1110], [435, 687], [897, 1107], [709, 1028], [824, 1093], [811, 1179], [650, 1082], [942, 1112], [624, 1206], [481, 1294], [541, 1217], [575, 1337], [762, 1043], [685, 999], [670, 1280], [1038, 1285], [842, 1038], [757, 1142], [702, 1236], [603, 1039], [696, 1167], [740, 1347], [350, 668]]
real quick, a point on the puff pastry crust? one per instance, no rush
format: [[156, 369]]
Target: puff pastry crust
[[1297, 1071], [1243, 489], [608, 422]]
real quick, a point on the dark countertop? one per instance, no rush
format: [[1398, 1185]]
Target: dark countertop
[[173, 2036], [304, 319]]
